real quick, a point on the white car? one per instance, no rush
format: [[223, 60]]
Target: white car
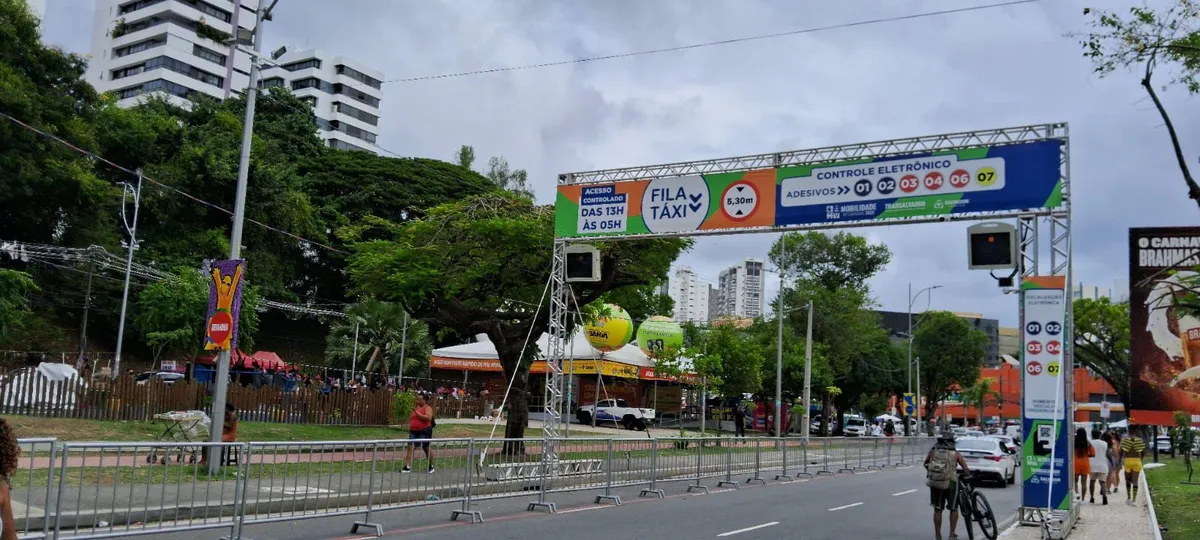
[[1010, 445], [167, 377], [856, 426], [617, 411], [988, 460]]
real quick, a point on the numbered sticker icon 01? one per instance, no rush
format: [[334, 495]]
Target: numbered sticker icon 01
[[1033, 328], [862, 188]]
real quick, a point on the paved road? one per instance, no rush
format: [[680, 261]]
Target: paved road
[[891, 504]]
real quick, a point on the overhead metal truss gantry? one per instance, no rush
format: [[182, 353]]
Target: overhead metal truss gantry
[[1029, 222]]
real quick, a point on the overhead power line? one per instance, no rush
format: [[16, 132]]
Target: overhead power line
[[165, 186], [706, 44]]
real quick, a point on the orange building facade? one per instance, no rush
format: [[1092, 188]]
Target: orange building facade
[[1089, 392]]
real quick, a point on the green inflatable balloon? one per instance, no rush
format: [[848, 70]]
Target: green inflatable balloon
[[659, 333], [610, 333]]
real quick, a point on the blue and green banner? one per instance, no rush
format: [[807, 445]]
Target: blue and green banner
[[1045, 414], [1010, 177]]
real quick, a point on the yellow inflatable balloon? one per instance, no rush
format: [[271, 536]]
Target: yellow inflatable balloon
[[610, 332]]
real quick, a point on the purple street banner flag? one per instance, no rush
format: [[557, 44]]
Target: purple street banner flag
[[224, 303]]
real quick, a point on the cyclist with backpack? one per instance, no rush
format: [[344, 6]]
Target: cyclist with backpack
[[940, 476]]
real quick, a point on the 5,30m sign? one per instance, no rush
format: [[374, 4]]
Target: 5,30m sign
[[1018, 176]]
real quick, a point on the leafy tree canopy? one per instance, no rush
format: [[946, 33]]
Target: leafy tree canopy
[[951, 353], [1102, 341], [379, 328], [171, 314]]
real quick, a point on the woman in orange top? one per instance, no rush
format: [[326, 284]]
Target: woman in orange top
[[420, 431], [1083, 466]]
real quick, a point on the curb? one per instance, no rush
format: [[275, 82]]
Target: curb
[[1155, 531]]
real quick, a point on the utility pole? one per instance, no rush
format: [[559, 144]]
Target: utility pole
[[87, 303], [235, 238], [808, 373], [403, 349], [132, 229], [779, 313], [354, 353], [916, 397]]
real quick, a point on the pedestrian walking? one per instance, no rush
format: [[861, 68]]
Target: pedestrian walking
[[739, 421], [420, 430], [940, 466], [1115, 461], [1100, 462], [1083, 464], [889, 428], [9, 452], [1132, 450]]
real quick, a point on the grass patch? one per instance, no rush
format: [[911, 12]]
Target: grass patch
[[1175, 502], [70, 429]]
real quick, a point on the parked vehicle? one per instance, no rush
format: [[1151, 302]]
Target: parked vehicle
[[167, 377], [856, 426], [988, 460], [1010, 445], [1163, 443], [617, 411]]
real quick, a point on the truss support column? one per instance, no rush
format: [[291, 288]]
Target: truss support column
[[552, 421]]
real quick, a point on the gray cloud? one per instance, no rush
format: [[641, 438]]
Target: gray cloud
[[978, 70]]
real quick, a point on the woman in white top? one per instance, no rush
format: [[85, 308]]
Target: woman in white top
[[1100, 462], [9, 452]]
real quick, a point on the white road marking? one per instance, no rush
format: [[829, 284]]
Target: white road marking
[[585, 509], [904, 493], [748, 529], [845, 507]]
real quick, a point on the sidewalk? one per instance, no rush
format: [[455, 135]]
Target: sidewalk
[[1101, 522]]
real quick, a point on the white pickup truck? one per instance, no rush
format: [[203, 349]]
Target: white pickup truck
[[617, 411]]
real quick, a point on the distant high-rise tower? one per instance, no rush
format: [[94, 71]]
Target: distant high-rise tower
[[179, 49], [344, 95], [741, 290], [690, 296]]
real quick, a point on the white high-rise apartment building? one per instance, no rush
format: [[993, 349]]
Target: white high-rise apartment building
[[741, 290], [344, 94], [690, 296], [175, 48]]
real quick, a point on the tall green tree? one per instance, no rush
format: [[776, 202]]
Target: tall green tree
[[1102, 341], [1150, 40], [951, 352], [482, 265], [978, 395], [515, 181], [830, 261], [14, 302], [465, 157], [381, 335]]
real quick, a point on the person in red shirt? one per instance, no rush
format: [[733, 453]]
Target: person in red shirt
[[420, 429]]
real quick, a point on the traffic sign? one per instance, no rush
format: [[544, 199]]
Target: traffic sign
[[1105, 410], [220, 327], [739, 201]]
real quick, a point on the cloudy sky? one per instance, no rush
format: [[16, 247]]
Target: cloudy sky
[[991, 68]]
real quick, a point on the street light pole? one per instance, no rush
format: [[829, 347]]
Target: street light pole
[[808, 373], [235, 237], [916, 399], [132, 229], [779, 360]]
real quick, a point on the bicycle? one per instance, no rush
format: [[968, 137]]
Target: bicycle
[[974, 507]]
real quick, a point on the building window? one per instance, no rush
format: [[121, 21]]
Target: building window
[[324, 125], [139, 46], [343, 145], [271, 83], [209, 54], [354, 131], [303, 64], [158, 85], [312, 82], [164, 62], [359, 76], [130, 7], [208, 9], [356, 95], [356, 113], [310, 100]]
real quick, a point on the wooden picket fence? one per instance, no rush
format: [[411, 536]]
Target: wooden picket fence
[[124, 399]]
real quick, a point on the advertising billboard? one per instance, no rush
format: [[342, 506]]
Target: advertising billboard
[[1046, 481], [224, 303], [1012, 177], [1164, 336]]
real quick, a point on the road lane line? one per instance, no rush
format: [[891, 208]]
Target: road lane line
[[845, 507], [748, 529], [904, 493]]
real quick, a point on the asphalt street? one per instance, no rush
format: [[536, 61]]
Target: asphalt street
[[891, 504]]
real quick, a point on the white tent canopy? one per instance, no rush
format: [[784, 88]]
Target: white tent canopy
[[578, 348]]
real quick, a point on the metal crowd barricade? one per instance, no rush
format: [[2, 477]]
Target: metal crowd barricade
[[30, 500], [117, 490]]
